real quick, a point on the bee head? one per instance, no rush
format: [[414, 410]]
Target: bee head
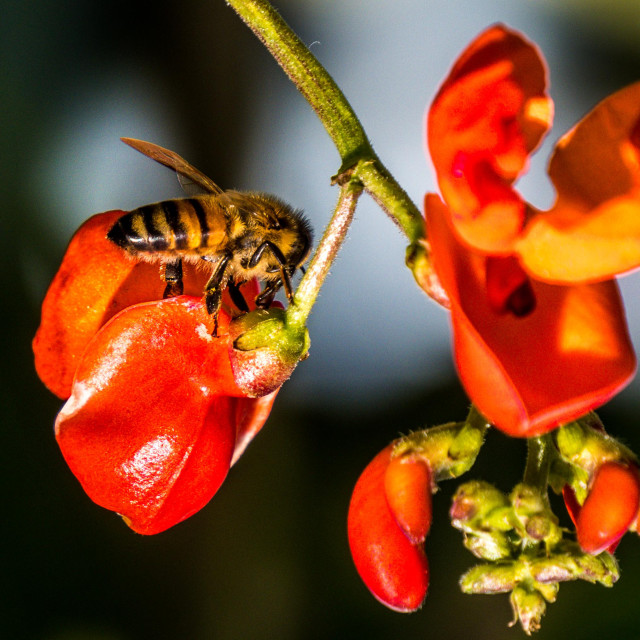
[[296, 239]]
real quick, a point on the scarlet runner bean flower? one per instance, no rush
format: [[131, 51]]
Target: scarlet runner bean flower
[[540, 335], [390, 510], [154, 414]]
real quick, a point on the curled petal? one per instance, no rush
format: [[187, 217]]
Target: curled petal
[[95, 281], [149, 429], [251, 414], [394, 570], [407, 484], [529, 373], [610, 508], [489, 115], [593, 230]]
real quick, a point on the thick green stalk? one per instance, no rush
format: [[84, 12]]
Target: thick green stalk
[[536, 473], [329, 245], [334, 111], [309, 76]]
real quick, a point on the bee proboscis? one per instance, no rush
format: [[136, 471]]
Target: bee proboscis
[[244, 235]]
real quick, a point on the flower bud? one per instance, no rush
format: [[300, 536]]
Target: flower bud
[[528, 607], [393, 568]]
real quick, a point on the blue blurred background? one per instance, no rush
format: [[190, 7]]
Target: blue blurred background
[[268, 557]]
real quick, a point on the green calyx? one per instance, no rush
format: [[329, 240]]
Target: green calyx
[[449, 449], [268, 329], [581, 448]]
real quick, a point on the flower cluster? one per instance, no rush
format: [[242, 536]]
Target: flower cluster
[[157, 409], [161, 397], [539, 333]]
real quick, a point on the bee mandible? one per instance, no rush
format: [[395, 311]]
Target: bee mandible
[[243, 235]]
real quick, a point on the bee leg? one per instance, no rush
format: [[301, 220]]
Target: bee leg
[[213, 290], [237, 297], [173, 277], [265, 299], [285, 278]]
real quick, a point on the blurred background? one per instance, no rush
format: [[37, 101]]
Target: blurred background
[[268, 558]]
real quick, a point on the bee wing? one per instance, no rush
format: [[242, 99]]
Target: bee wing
[[174, 161]]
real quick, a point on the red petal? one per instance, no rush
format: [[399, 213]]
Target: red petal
[[394, 570], [593, 230], [488, 116], [610, 508], [95, 281], [529, 374], [149, 429], [251, 414]]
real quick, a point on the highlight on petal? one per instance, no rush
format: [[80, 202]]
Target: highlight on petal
[[489, 115], [393, 569], [149, 429], [529, 373], [95, 281], [593, 230]]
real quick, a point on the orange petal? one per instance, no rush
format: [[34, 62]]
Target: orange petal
[[95, 281], [407, 484], [528, 374], [488, 116], [149, 429], [593, 230]]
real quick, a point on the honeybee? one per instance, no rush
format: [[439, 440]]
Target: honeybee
[[244, 235]]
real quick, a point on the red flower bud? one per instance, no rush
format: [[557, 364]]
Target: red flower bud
[[610, 508], [393, 568]]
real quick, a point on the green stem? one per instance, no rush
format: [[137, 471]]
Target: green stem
[[329, 245], [390, 197], [309, 76], [536, 473], [334, 111]]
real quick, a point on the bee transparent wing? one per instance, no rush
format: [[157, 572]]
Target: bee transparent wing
[[187, 174]]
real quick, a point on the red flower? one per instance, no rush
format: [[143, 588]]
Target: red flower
[[610, 509], [389, 518], [154, 416], [540, 336]]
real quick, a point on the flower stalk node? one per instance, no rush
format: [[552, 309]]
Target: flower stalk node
[[266, 350]]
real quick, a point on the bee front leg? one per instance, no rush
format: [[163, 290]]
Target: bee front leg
[[173, 277], [265, 299], [237, 297], [213, 290]]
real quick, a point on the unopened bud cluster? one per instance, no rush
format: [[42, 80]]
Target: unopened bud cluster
[[519, 537]]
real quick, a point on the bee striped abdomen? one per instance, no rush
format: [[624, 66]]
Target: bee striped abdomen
[[172, 227]]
